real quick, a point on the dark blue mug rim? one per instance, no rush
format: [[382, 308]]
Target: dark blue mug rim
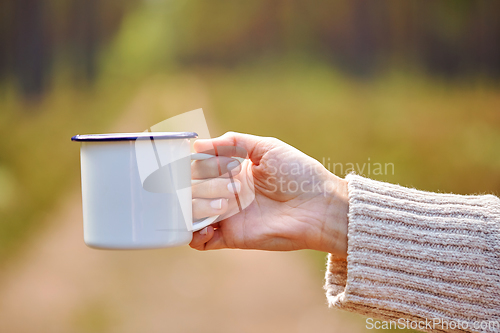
[[134, 136]]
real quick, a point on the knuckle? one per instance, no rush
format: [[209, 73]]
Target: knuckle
[[274, 141]]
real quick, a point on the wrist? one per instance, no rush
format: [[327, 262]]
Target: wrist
[[334, 234]]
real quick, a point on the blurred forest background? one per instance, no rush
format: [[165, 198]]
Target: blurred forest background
[[413, 83]]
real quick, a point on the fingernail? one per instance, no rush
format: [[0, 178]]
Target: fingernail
[[216, 204], [232, 165], [204, 231], [234, 187]]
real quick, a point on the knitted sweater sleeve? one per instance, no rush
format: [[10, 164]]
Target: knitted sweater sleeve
[[419, 258]]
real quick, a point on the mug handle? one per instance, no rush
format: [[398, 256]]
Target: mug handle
[[209, 220]]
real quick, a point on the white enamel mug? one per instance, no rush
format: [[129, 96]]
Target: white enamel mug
[[136, 189]]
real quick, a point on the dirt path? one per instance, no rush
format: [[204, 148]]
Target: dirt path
[[60, 285]]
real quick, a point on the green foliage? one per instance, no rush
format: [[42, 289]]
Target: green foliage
[[434, 133], [439, 137], [37, 159], [144, 43]]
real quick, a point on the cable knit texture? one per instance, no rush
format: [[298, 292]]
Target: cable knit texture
[[419, 255]]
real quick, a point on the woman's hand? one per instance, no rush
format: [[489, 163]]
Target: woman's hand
[[297, 203]]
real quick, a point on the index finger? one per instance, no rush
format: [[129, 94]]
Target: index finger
[[255, 146]]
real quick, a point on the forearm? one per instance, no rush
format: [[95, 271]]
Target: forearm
[[418, 255]]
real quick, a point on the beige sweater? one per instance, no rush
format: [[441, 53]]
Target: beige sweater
[[415, 255]]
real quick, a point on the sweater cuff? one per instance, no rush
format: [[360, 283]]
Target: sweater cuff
[[417, 255]]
